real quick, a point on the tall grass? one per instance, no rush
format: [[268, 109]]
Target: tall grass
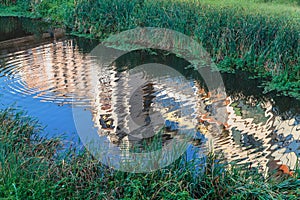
[[258, 36], [8, 2], [32, 167], [265, 44]]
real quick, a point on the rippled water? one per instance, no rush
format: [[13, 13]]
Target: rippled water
[[46, 77]]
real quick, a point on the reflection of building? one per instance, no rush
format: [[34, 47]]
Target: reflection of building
[[56, 72], [59, 72], [130, 107], [259, 141]]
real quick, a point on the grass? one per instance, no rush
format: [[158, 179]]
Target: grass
[[14, 11], [32, 167], [279, 8], [238, 35], [258, 36]]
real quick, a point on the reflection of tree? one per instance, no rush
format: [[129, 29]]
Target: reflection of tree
[[239, 85], [12, 27], [35, 27]]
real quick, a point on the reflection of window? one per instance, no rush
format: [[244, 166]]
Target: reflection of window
[[106, 122], [148, 91], [171, 126]]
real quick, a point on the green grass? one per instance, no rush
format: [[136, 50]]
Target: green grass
[[32, 167], [258, 36], [276, 8], [14, 11], [262, 38]]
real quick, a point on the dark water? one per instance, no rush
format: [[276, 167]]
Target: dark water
[[55, 77], [12, 27]]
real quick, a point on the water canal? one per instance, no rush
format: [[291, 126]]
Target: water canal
[[50, 77]]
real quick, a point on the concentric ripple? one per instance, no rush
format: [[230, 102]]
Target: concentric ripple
[[56, 72], [59, 72]]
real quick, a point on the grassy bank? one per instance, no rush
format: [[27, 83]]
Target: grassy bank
[[237, 36], [258, 36], [32, 168]]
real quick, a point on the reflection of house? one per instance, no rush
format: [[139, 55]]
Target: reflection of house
[[121, 102], [131, 108], [259, 142], [56, 72]]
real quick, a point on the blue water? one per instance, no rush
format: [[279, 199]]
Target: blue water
[[42, 79], [56, 119]]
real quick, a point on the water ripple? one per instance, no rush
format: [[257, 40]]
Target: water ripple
[[56, 72], [121, 101]]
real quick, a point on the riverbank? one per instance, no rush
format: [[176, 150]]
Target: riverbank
[[254, 36], [34, 167]]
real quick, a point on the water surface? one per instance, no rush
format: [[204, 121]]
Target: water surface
[[48, 76]]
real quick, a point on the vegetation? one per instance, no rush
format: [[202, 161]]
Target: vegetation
[[255, 36], [235, 37], [32, 167], [258, 36]]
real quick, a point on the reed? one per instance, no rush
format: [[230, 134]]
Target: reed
[[32, 167], [258, 36], [237, 35], [261, 41]]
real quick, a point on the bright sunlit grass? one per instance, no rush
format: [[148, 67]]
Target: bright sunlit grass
[[273, 8]]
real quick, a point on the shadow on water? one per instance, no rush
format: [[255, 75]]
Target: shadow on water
[[13, 27], [241, 83], [51, 75]]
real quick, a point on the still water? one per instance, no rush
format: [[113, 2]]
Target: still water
[[51, 78]]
